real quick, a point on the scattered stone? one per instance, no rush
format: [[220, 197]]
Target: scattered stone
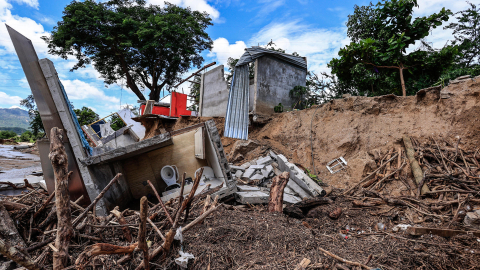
[[335, 214], [473, 219]]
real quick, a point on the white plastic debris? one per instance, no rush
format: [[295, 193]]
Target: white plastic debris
[[182, 261], [402, 227], [178, 235]]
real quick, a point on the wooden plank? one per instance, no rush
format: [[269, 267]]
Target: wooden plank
[[148, 107], [439, 232]]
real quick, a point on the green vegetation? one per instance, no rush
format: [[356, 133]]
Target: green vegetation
[[148, 46], [7, 134], [376, 62], [86, 116], [195, 93], [36, 124], [17, 130]]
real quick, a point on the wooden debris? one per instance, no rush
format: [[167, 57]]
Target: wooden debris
[[59, 160], [17, 256], [142, 231], [343, 260], [100, 249], [121, 220], [275, 203], [303, 264], [416, 170], [439, 232]]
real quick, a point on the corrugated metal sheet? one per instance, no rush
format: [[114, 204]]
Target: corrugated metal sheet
[[256, 52], [236, 120]]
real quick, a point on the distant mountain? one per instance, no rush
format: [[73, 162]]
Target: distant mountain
[[14, 117]]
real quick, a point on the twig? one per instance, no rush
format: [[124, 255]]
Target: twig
[[161, 202], [84, 213], [343, 260]]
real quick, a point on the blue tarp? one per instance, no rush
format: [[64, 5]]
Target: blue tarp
[[85, 144]]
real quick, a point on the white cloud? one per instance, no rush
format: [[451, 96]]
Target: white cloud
[[268, 6], [31, 3], [23, 25], [78, 90], [9, 100], [222, 50], [200, 5]]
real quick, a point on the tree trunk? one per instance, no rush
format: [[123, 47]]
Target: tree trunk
[[142, 231], [275, 203], [416, 170], [404, 91], [58, 157]]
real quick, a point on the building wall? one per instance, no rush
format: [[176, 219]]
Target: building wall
[[213, 93], [274, 79]]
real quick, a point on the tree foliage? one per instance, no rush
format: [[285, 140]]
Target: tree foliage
[[467, 35], [36, 124], [148, 46], [86, 116], [380, 37]]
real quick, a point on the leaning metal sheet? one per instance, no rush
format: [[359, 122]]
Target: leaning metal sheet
[[236, 119]]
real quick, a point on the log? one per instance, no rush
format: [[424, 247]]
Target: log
[[121, 220], [275, 202], [100, 249], [84, 213], [8, 230], [142, 231], [416, 170], [59, 160], [15, 255], [11, 206]]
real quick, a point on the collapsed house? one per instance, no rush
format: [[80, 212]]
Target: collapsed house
[[160, 159], [144, 149], [275, 75]]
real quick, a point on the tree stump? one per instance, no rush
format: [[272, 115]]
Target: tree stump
[[59, 160], [275, 203]]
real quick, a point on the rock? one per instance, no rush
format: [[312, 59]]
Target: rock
[[241, 147], [473, 219], [463, 77], [335, 214], [346, 95]]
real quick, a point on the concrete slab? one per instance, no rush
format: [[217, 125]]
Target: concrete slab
[[244, 188], [238, 174], [252, 197], [257, 167], [237, 168], [246, 165], [257, 177]]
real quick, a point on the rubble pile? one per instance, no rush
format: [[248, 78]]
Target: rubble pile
[[28, 229]]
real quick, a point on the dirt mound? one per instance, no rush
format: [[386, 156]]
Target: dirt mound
[[357, 127]]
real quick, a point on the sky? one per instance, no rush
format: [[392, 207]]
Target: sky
[[313, 28]]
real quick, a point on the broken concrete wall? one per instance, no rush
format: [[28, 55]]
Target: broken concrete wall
[[119, 194], [213, 93], [274, 79]]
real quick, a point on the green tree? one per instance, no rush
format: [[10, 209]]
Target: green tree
[[195, 93], [86, 116], [36, 124], [467, 35], [7, 134], [147, 45], [26, 136], [392, 30]]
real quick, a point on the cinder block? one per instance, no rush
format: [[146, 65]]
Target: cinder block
[[257, 167], [265, 161], [248, 173]]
